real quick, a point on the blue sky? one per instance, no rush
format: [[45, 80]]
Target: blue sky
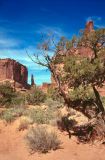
[[23, 21]]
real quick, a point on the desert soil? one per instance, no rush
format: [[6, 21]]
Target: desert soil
[[13, 147]]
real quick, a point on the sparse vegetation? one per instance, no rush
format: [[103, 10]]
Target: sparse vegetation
[[36, 96], [11, 114], [18, 100], [39, 115], [42, 140], [53, 94], [8, 116], [53, 104], [10, 98], [24, 123], [6, 94]]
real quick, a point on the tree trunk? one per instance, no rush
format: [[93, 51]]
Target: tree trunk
[[98, 100], [57, 80]]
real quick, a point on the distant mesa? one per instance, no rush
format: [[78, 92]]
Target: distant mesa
[[14, 72]]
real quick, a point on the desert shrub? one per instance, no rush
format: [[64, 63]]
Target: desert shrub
[[39, 115], [36, 96], [18, 100], [9, 97], [41, 140], [24, 123], [7, 116], [18, 111], [58, 60], [53, 104], [6, 94], [11, 114], [83, 93], [54, 94]]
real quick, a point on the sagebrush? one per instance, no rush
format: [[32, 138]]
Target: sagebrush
[[41, 140]]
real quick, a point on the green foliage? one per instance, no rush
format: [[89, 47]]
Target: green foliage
[[6, 94], [81, 93], [53, 104], [36, 96], [18, 100], [74, 67], [8, 116], [80, 70], [39, 115], [58, 60], [11, 114], [54, 94], [95, 40], [41, 140], [9, 97], [83, 70]]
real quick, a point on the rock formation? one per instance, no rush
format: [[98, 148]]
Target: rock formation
[[13, 71], [89, 27], [32, 80], [45, 86]]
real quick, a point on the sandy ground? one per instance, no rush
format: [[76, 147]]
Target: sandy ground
[[13, 147]]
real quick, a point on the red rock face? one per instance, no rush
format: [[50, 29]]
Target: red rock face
[[82, 51], [12, 70], [89, 26], [45, 87]]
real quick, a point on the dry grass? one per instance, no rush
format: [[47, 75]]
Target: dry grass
[[24, 123], [41, 140]]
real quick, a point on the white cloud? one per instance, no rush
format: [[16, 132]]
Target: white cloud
[[8, 42]]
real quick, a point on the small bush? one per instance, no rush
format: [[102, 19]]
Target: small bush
[[39, 139], [18, 111], [35, 97], [10, 114], [9, 97], [54, 95], [6, 94], [53, 104], [18, 100], [24, 123], [7, 116], [39, 115]]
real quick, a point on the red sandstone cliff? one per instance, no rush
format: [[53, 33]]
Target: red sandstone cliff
[[13, 71]]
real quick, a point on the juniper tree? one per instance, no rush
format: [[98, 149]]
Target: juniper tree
[[73, 70], [78, 68]]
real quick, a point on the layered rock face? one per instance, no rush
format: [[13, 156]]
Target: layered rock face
[[13, 71]]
